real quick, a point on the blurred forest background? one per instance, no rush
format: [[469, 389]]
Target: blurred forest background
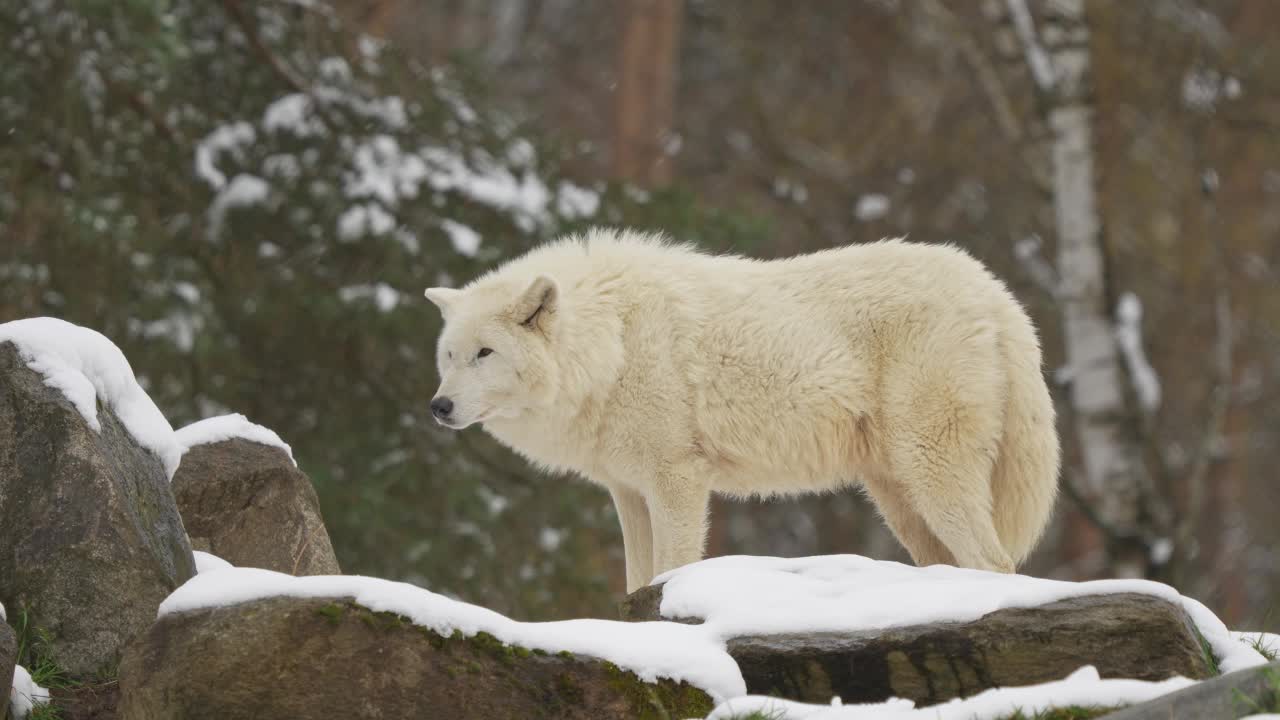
[[249, 198]]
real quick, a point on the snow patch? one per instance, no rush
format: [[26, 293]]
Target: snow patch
[[228, 138], [464, 240], [651, 650], [25, 694], [1082, 687], [243, 191], [87, 368], [1203, 88], [360, 220], [1129, 336], [1267, 641], [384, 171], [208, 562], [871, 207], [228, 427], [573, 201], [292, 113], [385, 297], [742, 595], [491, 184]]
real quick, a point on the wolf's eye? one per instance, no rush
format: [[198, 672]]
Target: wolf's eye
[[483, 352]]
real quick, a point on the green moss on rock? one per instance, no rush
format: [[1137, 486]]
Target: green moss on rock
[[478, 676]]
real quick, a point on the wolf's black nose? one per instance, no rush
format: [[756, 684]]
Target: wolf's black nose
[[441, 407]]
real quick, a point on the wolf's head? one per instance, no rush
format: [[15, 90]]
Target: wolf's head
[[494, 354]]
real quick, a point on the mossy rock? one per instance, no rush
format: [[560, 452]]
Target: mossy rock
[[250, 505], [91, 534], [1124, 635], [1251, 691], [326, 658], [8, 658]]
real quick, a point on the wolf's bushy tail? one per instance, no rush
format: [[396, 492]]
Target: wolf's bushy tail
[[1025, 476]]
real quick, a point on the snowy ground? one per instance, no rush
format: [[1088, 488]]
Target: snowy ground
[[1083, 687]]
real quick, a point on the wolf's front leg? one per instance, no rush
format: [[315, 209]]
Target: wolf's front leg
[[637, 535], [678, 510]]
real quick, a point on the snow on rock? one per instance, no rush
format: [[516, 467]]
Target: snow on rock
[[208, 562], [3, 618], [650, 650], [228, 427], [87, 368], [25, 694], [1082, 687], [743, 595]]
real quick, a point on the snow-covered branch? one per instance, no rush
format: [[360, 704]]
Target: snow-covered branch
[[1146, 383]]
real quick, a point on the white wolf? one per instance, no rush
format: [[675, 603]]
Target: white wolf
[[665, 374]]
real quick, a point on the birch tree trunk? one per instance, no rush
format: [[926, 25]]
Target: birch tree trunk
[[1113, 462]]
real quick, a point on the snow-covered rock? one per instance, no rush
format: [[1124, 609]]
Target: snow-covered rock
[[807, 628], [208, 562], [1084, 687], [228, 427], [247, 642], [243, 499], [91, 534], [89, 369]]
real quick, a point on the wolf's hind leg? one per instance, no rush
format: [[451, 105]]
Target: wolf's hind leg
[[906, 524]]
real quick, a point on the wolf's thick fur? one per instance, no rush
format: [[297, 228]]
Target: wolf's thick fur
[[665, 374]]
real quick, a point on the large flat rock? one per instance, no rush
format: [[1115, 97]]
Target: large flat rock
[[1124, 635], [303, 658]]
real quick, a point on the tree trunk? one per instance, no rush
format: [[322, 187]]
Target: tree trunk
[[1114, 468], [647, 65]]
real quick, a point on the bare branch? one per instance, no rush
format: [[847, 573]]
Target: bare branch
[[1038, 61], [1027, 250], [985, 73], [237, 14]]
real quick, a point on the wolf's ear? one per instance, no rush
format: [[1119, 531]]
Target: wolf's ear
[[538, 304], [443, 298]]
